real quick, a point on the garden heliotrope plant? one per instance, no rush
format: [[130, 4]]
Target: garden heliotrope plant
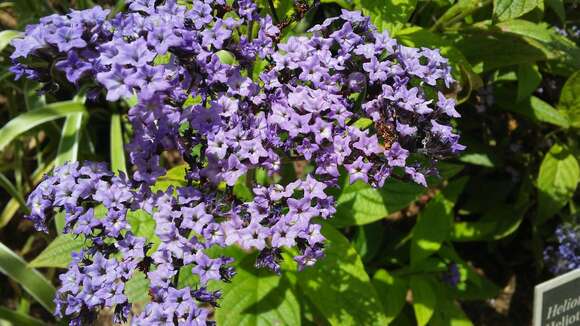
[[343, 96]]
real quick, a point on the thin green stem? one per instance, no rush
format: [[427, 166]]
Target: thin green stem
[[273, 12]]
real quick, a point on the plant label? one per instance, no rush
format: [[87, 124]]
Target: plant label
[[557, 301]]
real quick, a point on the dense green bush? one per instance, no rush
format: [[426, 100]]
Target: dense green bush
[[452, 253]]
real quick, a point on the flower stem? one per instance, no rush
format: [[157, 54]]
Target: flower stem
[[273, 11]]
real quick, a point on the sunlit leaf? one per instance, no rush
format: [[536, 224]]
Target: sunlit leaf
[[30, 279], [58, 253]]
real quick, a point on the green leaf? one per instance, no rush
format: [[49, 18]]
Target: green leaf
[[558, 7], [529, 78], [257, 298], [499, 222], [557, 181], [174, 177], [68, 147], [143, 225], [360, 204], [448, 312], [118, 162], [30, 279], [563, 54], [424, 299], [393, 292], [472, 285], [434, 222], [19, 319], [242, 191], [226, 57], [137, 288], [510, 9], [367, 240], [432, 228], [481, 159], [570, 101], [488, 46], [29, 120], [339, 286], [58, 253], [12, 191], [162, 59], [6, 37], [389, 14], [538, 110]]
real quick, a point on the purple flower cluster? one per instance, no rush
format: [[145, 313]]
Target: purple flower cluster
[[98, 275], [321, 85], [564, 256], [71, 43], [343, 97]]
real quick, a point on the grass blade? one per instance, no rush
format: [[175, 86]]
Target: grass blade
[[12, 207], [29, 120], [17, 318], [117, 149], [11, 190], [30, 279], [68, 147]]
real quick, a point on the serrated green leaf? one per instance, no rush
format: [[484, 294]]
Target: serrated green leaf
[[557, 181], [529, 78], [510, 9], [393, 292], [424, 299], [339, 286], [137, 288], [570, 101], [29, 120], [257, 298], [30, 279], [58, 253]]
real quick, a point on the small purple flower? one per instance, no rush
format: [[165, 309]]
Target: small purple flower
[[358, 170]]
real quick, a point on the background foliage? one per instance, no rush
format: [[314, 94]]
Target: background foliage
[[391, 252]]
